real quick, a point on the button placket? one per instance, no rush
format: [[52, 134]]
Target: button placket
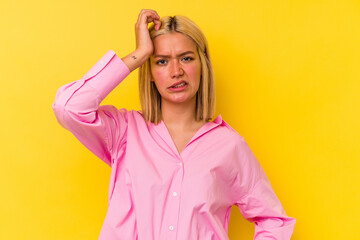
[[174, 201]]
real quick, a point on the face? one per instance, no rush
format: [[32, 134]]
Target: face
[[175, 68]]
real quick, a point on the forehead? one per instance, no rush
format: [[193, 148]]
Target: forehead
[[173, 43]]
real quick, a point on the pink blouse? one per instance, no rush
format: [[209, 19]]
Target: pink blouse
[[156, 193]]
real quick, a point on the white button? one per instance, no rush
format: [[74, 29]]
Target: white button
[[101, 61], [180, 164], [171, 228], [174, 194]]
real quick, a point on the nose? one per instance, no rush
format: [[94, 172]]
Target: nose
[[176, 69]]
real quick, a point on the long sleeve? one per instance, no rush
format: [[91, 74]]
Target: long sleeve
[[260, 204], [100, 128]]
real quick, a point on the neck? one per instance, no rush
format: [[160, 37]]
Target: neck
[[179, 115]]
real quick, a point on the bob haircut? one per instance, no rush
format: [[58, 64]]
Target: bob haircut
[[150, 98]]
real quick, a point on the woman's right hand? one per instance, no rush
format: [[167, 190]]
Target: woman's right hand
[[144, 44], [143, 40]]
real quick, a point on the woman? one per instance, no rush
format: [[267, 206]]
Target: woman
[[175, 173]]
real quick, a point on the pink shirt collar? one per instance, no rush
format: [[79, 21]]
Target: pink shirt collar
[[163, 132]]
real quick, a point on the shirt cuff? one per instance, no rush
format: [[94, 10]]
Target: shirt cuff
[[106, 74]]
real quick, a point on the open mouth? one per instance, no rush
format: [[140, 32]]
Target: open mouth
[[178, 85]]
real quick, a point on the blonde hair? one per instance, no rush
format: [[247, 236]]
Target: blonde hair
[[150, 98]]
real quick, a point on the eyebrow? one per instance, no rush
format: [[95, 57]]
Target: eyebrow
[[179, 55]]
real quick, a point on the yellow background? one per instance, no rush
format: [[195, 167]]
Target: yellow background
[[287, 79]]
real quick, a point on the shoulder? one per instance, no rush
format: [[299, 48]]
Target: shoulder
[[228, 132], [232, 138], [135, 115]]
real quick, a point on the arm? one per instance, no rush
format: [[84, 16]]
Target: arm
[[260, 204], [76, 107]]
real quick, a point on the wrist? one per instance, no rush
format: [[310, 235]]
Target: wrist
[[144, 53], [136, 59]]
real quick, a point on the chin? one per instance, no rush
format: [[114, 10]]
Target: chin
[[180, 99]]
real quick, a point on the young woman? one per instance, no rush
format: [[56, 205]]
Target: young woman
[[175, 173]]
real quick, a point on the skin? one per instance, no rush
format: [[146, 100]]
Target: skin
[[179, 60], [175, 59]]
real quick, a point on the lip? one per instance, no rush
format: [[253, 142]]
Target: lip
[[178, 82], [171, 88]]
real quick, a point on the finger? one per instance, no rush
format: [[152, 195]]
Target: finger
[[147, 12], [149, 19], [153, 11], [141, 16], [147, 16], [157, 24], [157, 15]]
